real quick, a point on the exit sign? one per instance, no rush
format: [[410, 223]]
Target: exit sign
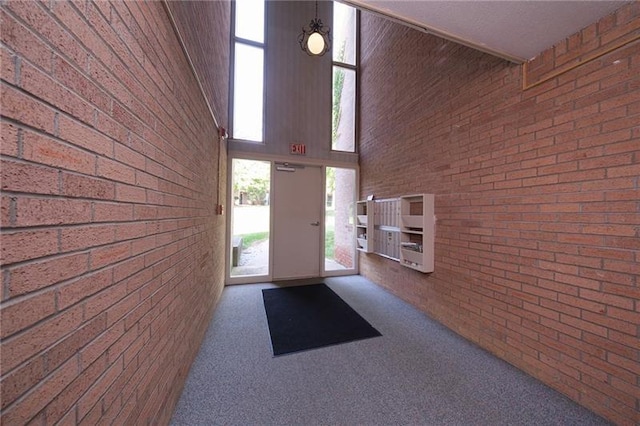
[[298, 149]]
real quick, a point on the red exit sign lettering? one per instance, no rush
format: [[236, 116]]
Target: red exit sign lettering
[[298, 149]]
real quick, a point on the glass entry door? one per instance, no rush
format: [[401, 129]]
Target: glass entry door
[[307, 233]]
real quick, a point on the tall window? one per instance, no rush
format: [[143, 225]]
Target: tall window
[[250, 185], [248, 70], [339, 229], [343, 129]]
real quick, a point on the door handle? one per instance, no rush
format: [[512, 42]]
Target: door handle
[[316, 223]]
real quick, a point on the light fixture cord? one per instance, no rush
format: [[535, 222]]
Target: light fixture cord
[[316, 9]]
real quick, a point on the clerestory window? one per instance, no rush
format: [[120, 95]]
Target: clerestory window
[[345, 62], [248, 71]]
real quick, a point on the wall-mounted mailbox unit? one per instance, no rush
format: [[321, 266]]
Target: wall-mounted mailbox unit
[[401, 229], [364, 226], [417, 232], [386, 226]]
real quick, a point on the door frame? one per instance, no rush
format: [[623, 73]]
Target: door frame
[[250, 279]]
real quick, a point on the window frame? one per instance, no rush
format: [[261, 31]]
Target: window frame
[[232, 59], [355, 68]]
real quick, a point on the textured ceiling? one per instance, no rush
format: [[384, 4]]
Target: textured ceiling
[[515, 30]]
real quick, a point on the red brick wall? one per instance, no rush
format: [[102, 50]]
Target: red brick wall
[[204, 26], [606, 35], [111, 252], [537, 203]]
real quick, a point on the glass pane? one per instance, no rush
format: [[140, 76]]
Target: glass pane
[[248, 92], [251, 182], [343, 128], [250, 20], [344, 33], [339, 238]]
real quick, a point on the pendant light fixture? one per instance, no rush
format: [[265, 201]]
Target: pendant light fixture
[[315, 39]]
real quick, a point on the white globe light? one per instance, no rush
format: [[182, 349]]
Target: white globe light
[[315, 44]]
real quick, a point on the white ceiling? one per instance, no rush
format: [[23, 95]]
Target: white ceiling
[[517, 30]]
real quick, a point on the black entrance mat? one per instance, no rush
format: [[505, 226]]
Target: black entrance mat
[[309, 317]]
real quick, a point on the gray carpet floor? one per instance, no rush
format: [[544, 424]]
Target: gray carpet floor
[[417, 373]]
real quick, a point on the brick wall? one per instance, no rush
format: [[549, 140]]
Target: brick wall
[[608, 34], [111, 252], [537, 202], [210, 54]]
